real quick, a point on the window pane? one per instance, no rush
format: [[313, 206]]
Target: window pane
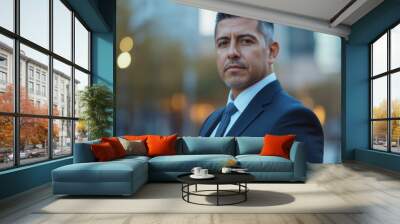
[[395, 94], [7, 14], [62, 29], [34, 97], [379, 100], [81, 131], [35, 21], [6, 142], [6, 74], [379, 55], [395, 136], [379, 135], [81, 81], [395, 47], [33, 140], [62, 138], [62, 89], [81, 45]]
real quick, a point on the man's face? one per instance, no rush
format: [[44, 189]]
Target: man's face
[[242, 53]]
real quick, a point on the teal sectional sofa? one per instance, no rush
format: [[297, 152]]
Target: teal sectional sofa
[[125, 176]]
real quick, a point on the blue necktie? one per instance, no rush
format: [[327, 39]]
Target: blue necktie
[[230, 109]]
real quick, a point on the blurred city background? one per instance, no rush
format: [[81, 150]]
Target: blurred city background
[[167, 81]]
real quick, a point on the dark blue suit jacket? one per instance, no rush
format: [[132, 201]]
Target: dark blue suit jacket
[[273, 111]]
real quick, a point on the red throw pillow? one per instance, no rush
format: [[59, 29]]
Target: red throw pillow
[[277, 145], [103, 151], [161, 145], [116, 145]]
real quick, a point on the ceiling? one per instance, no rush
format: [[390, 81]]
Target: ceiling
[[327, 16]]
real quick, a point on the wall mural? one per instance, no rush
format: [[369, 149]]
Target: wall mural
[[178, 74]]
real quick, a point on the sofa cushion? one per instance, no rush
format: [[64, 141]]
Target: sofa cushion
[[83, 152], [159, 145], [135, 137], [111, 171], [116, 145], [257, 163], [207, 145], [277, 145], [133, 158], [103, 152], [134, 147], [185, 163], [249, 145]]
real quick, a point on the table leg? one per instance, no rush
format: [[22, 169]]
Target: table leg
[[188, 189], [196, 188], [217, 194], [182, 189], [245, 193]]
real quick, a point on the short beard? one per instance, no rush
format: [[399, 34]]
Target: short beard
[[235, 85]]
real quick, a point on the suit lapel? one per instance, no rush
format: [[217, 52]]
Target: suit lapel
[[212, 122], [255, 108], [248, 115]]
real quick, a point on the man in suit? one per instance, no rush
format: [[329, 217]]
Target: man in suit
[[257, 105]]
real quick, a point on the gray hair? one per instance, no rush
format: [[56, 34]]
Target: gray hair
[[265, 28]]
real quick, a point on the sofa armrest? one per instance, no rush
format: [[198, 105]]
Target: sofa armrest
[[83, 152], [298, 157]]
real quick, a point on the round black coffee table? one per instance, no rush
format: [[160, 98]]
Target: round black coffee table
[[238, 179]]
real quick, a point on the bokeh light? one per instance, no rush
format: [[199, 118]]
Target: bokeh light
[[124, 60], [126, 44]]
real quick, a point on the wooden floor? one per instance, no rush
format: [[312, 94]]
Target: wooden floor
[[378, 188]]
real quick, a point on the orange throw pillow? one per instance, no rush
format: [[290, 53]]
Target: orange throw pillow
[[277, 145], [116, 145], [103, 151], [161, 145], [135, 137]]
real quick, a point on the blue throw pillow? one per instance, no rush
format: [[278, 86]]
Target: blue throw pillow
[[249, 145], [208, 145]]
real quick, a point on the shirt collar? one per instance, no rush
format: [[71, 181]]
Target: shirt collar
[[244, 98]]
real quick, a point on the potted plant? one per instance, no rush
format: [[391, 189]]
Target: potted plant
[[96, 102]]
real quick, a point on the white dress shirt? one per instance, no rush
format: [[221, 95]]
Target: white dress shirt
[[244, 98]]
